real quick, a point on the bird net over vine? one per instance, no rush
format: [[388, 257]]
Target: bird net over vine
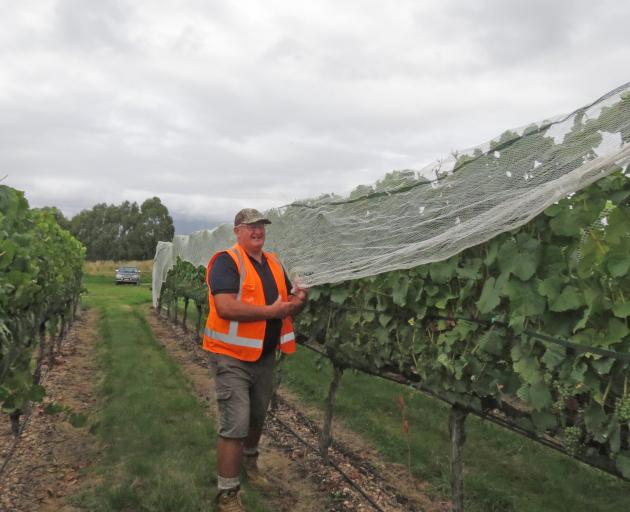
[[410, 218]]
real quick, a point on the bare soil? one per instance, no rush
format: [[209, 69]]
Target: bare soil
[[48, 461], [300, 479]]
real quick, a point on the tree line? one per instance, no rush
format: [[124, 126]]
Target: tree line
[[120, 232]]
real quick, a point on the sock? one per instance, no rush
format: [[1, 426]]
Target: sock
[[250, 452], [227, 483]]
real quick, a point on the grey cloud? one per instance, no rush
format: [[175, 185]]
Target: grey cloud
[[93, 25], [215, 105]]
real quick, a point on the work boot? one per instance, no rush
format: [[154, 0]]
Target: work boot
[[252, 471], [229, 500]]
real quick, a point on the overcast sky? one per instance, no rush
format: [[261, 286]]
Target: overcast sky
[[217, 105]]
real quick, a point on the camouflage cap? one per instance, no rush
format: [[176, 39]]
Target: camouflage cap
[[250, 216]]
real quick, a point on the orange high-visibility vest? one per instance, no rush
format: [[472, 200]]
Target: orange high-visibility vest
[[244, 340]]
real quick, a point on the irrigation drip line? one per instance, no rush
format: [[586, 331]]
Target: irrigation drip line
[[619, 356], [332, 463], [603, 465]]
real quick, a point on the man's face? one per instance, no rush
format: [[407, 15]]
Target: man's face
[[250, 237]]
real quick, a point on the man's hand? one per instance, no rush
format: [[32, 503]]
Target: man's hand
[[297, 299], [280, 309], [300, 293]]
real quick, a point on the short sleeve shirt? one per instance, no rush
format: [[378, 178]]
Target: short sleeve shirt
[[224, 278]]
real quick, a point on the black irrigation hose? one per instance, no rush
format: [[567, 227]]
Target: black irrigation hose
[[619, 356], [494, 418], [332, 463]]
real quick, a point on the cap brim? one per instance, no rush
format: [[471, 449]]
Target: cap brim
[[262, 220]]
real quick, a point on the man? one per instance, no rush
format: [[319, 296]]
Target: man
[[251, 305]]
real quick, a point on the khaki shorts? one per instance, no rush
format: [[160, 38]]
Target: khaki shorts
[[243, 391]]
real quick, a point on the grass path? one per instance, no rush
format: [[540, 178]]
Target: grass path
[[158, 443]]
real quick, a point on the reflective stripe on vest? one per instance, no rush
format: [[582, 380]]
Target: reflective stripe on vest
[[286, 338], [233, 339]]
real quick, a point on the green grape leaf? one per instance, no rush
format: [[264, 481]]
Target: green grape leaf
[[491, 293], [550, 287], [441, 272], [596, 422], [617, 330], [529, 370], [544, 421], [36, 393], [564, 223], [621, 309], [384, 319], [603, 365], [567, 300], [537, 395], [554, 356], [618, 262], [492, 341], [525, 301], [399, 292], [339, 294], [470, 269]]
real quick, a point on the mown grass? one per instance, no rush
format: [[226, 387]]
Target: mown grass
[[159, 445], [504, 472]]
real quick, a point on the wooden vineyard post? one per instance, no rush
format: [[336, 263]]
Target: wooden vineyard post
[[186, 300], [63, 329], [15, 422], [325, 440], [42, 351], [50, 349], [75, 305], [458, 438], [199, 312]]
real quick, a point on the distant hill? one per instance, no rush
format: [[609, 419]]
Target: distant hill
[[186, 225]]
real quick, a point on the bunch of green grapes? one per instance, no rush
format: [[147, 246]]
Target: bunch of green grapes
[[622, 407], [564, 393], [572, 440]]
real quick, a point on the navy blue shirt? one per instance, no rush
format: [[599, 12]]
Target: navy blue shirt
[[224, 278]]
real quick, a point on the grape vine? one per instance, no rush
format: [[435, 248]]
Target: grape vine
[[40, 285], [464, 325]]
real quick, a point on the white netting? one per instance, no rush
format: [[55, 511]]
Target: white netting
[[415, 217]]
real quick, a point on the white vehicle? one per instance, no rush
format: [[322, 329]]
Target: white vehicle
[[129, 275]]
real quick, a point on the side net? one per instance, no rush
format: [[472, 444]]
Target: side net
[[410, 218]]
